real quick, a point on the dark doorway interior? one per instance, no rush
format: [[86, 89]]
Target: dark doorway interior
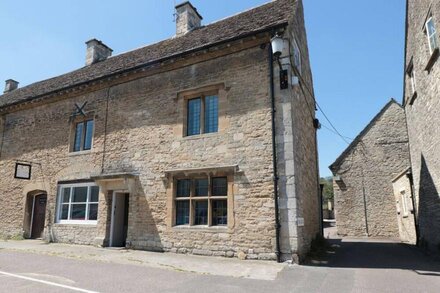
[[120, 219], [38, 216]]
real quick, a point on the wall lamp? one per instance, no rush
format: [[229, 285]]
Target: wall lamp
[[277, 43]]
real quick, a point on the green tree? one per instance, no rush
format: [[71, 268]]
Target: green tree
[[327, 193]]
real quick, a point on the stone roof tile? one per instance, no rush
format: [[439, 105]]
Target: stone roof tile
[[240, 25]]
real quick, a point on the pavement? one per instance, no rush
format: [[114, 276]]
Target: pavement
[[218, 266], [350, 265]]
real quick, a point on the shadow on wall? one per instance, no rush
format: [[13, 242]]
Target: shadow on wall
[[428, 210], [142, 230]]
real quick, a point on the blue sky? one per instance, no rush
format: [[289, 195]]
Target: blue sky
[[356, 47]]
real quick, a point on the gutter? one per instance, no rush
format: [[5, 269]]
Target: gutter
[[274, 153]]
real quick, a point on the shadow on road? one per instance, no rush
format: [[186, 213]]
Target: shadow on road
[[375, 254]]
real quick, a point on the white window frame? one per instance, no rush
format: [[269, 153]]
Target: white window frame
[[431, 49], [60, 203]]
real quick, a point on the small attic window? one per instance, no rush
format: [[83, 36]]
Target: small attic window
[[431, 33]]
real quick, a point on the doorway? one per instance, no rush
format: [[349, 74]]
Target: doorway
[[119, 219], [38, 216]]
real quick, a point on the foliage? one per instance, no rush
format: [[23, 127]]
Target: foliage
[[327, 193]]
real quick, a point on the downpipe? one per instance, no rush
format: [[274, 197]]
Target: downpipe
[[274, 155]]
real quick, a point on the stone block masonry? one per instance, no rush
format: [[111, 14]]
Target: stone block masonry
[[364, 173], [140, 149], [422, 106]]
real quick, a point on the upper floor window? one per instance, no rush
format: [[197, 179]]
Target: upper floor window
[[296, 55], [202, 115], [411, 75], [83, 137], [413, 81], [431, 34], [78, 203]]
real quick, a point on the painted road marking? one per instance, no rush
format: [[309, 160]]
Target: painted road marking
[[46, 282]]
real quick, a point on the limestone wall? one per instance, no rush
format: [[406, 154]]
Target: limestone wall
[[405, 209], [141, 138], [364, 197], [422, 116]]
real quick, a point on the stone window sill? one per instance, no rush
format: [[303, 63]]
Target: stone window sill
[[432, 59], [200, 136], [80, 153], [77, 224], [213, 229]]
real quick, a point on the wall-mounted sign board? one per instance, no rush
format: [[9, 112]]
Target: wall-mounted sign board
[[22, 171]]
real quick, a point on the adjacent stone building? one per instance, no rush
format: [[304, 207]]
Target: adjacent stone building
[[197, 144], [421, 100], [365, 204]]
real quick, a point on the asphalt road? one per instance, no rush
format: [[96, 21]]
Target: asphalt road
[[354, 266]]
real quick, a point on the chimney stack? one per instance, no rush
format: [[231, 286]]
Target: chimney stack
[[187, 18], [97, 51], [10, 85]]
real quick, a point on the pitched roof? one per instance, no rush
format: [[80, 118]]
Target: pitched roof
[[252, 21], [336, 164]]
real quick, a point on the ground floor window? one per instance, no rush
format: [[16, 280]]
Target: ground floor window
[[78, 203], [201, 201]]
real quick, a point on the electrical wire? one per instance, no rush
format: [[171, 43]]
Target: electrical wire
[[334, 132], [302, 82]]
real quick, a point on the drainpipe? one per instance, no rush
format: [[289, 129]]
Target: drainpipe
[[274, 153]]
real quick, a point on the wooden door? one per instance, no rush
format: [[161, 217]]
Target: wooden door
[[39, 215]]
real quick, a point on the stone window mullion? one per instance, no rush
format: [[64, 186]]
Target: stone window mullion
[[191, 203], [209, 201]]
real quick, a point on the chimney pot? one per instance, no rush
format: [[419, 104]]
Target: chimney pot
[[97, 51], [10, 85], [188, 18]]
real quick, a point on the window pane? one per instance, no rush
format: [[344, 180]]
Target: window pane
[[88, 135], [201, 213], [182, 212], [219, 212], [183, 188], [64, 212], [211, 114], [220, 186], [80, 194], [194, 108], [201, 187], [78, 212], [94, 193], [93, 212], [66, 195], [78, 135], [433, 42], [430, 27]]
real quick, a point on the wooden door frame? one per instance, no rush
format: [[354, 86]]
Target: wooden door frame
[[31, 224], [112, 211]]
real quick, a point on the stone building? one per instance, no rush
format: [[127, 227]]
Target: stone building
[[422, 104], [197, 144], [365, 204]]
